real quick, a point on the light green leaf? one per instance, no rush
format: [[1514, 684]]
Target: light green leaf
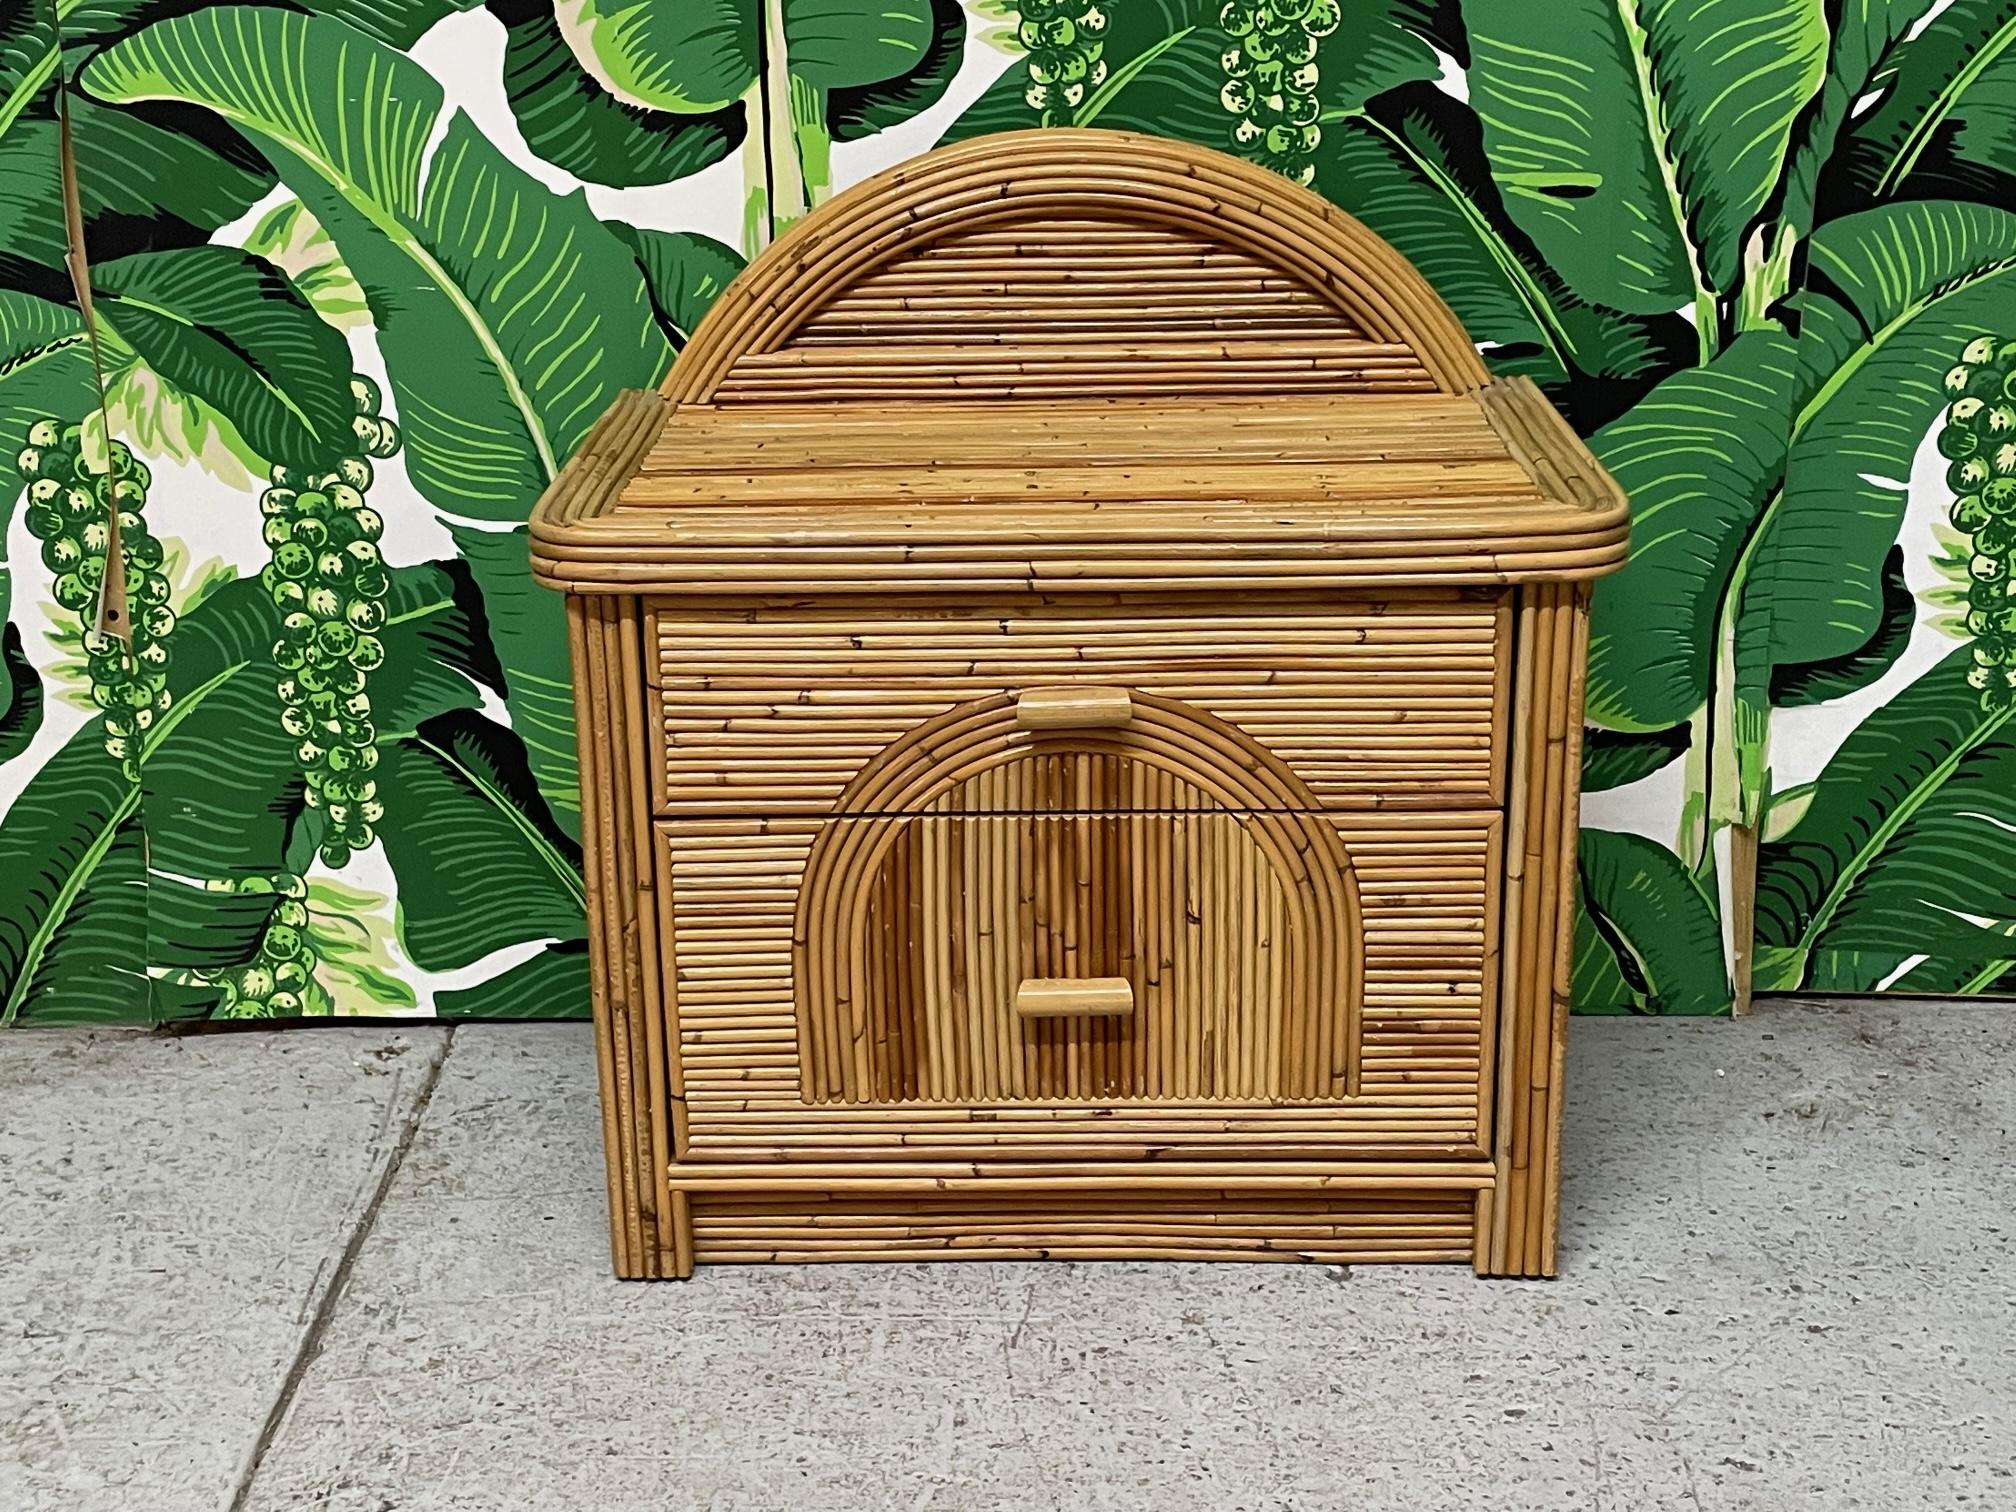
[[691, 58], [1650, 927], [1635, 139], [1909, 844], [572, 121], [350, 939], [1698, 457], [291, 239]]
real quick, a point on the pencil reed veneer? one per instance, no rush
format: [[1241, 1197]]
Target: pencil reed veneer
[[1079, 684]]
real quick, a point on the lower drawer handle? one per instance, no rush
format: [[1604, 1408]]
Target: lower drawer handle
[[1073, 708], [1074, 997]]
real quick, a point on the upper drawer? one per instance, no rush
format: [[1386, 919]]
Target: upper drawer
[[1351, 703]]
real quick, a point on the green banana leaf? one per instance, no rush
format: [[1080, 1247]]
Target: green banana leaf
[[73, 894], [1946, 124], [1698, 456], [1802, 684], [550, 985], [1410, 164], [1897, 291], [1646, 940], [1865, 43], [20, 696], [855, 111], [144, 177], [1635, 141], [1860, 972], [232, 330], [45, 371], [571, 121], [220, 783], [508, 316], [698, 57], [396, 23], [222, 797], [685, 273], [1613, 759], [480, 860], [1909, 844]]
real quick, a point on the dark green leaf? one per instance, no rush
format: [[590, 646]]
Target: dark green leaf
[[20, 698], [396, 23], [1909, 844], [685, 273], [1864, 42], [550, 985], [860, 110], [1796, 685], [1656, 925], [73, 905], [232, 329], [838, 44], [1698, 456], [1899, 290], [1948, 111], [480, 861], [1612, 759], [1635, 143]]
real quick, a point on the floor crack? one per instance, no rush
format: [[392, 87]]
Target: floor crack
[[310, 1347]]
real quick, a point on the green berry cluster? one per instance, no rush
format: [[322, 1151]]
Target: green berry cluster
[[1979, 441], [1270, 79], [329, 582], [1064, 40], [273, 984], [69, 511]]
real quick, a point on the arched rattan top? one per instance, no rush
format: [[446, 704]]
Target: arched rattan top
[[997, 181]]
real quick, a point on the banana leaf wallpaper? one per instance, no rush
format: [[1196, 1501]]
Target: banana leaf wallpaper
[[366, 271]]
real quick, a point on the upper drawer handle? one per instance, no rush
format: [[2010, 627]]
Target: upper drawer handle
[[1072, 708], [1072, 997]]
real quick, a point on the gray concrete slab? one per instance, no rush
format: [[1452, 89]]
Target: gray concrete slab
[[171, 1212], [1788, 1287]]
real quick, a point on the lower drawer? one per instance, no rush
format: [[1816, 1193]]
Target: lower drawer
[[880, 1018], [1234, 1224]]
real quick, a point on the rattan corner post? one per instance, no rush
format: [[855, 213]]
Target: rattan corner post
[[1079, 679]]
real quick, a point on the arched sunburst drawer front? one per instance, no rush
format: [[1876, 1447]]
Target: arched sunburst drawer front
[[732, 892], [1003, 957]]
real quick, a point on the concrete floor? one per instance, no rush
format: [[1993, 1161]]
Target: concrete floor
[[362, 1269]]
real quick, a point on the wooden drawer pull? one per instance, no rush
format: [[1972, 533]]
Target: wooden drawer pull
[[1073, 997], [1072, 708]]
